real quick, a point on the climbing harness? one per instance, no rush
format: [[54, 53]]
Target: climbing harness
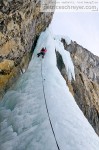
[[47, 109]]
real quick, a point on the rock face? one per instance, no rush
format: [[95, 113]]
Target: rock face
[[21, 22], [85, 88]]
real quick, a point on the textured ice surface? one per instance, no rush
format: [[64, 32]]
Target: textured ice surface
[[24, 123]]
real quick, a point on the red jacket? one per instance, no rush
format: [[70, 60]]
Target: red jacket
[[44, 50]]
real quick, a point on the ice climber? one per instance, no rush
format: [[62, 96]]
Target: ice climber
[[42, 52]]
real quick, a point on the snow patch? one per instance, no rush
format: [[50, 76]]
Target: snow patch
[[66, 38]]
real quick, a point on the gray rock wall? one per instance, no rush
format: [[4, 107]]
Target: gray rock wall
[[85, 88]]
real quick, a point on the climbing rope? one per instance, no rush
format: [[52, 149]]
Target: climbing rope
[[47, 109]]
